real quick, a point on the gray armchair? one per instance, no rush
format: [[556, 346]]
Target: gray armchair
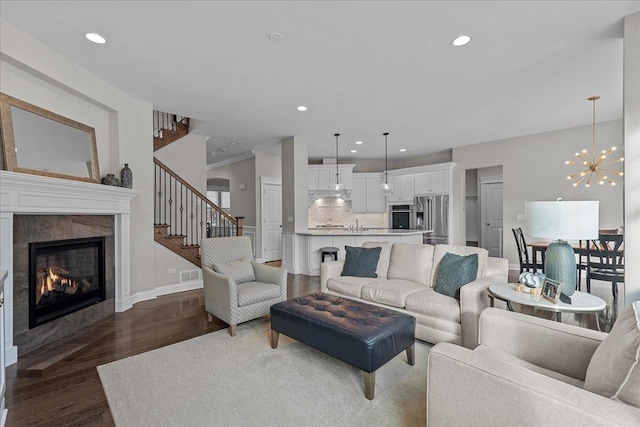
[[236, 288], [529, 371]]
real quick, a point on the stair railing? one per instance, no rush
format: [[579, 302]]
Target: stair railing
[[162, 121], [188, 212]]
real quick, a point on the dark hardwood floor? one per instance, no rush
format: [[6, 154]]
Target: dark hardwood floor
[[70, 393]]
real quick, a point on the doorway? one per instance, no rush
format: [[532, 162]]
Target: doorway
[[271, 212], [491, 219]]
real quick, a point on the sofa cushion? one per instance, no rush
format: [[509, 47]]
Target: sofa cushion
[[391, 292], [431, 303], [240, 271], [513, 360], [361, 262], [254, 292], [455, 271], [614, 370], [383, 262], [440, 250], [411, 262], [349, 285]]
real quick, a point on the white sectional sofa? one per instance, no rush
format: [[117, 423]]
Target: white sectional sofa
[[405, 282]]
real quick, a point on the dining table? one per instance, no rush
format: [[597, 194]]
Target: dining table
[[581, 248]]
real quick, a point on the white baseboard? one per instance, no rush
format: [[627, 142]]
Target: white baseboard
[[10, 355], [129, 301]]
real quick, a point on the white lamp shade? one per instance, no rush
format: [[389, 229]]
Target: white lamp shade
[[564, 220]]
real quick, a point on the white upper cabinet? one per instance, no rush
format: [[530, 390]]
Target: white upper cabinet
[[321, 177], [435, 182], [403, 188], [366, 195]]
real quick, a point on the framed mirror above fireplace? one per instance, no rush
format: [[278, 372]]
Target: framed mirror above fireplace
[[41, 142]]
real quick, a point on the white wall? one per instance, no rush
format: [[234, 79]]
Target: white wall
[[186, 157], [243, 202], [533, 169], [270, 166], [123, 127]]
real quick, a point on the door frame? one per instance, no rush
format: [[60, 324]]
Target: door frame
[[265, 180], [498, 179]]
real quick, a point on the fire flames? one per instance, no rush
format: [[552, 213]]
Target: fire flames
[[56, 279]]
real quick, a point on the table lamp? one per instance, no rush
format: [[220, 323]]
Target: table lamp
[[560, 220]]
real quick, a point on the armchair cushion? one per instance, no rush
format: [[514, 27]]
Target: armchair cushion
[[614, 370], [361, 262], [455, 271], [240, 271], [254, 292]]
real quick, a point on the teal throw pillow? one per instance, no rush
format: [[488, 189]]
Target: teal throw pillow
[[455, 271], [361, 262]]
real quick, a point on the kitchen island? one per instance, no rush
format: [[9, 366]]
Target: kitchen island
[[310, 242]]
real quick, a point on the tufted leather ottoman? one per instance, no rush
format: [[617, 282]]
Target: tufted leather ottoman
[[363, 335]]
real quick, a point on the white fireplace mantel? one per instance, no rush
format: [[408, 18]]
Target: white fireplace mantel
[[32, 194]]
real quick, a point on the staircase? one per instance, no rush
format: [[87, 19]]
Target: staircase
[[183, 216], [168, 128]]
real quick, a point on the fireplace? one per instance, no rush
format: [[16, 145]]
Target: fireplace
[[65, 276]]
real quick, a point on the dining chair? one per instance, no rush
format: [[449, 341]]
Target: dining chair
[[526, 263], [605, 261]]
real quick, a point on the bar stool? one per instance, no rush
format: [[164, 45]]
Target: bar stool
[[329, 250]]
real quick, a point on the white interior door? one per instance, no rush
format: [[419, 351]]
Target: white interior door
[[491, 217], [271, 222]]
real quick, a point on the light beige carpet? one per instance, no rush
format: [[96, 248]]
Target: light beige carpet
[[216, 380]]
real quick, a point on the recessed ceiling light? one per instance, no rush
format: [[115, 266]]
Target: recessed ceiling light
[[402, 150], [275, 37], [461, 41], [301, 108], [96, 38], [358, 142], [235, 143], [354, 151]]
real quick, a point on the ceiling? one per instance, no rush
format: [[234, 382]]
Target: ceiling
[[361, 67]]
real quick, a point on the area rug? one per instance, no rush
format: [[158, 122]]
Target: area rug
[[217, 380]]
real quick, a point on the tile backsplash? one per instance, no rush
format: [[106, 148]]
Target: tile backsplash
[[332, 210]]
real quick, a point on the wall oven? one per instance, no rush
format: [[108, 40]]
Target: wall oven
[[401, 217]]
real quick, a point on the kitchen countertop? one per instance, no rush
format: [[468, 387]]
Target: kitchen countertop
[[373, 232]]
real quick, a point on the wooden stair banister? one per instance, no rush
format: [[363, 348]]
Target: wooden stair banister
[[168, 128], [183, 215]]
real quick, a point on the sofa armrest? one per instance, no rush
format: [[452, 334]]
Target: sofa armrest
[[328, 270], [540, 341], [498, 266], [473, 299], [220, 293], [470, 388]]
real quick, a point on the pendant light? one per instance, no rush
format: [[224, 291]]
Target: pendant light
[[593, 166], [387, 187], [337, 189]]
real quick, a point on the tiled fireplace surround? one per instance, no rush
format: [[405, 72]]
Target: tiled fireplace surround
[[73, 209]]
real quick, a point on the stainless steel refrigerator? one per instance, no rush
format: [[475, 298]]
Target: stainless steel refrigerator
[[432, 213]]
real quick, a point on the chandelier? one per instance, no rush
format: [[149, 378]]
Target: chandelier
[[593, 165]]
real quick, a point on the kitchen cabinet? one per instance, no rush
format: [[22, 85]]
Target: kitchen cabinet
[[403, 188], [322, 177], [366, 195], [434, 182]]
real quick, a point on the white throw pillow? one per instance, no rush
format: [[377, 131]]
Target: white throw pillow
[[614, 369], [383, 262], [240, 271]]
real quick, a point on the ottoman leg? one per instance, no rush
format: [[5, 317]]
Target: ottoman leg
[[411, 354], [274, 338], [369, 384]]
